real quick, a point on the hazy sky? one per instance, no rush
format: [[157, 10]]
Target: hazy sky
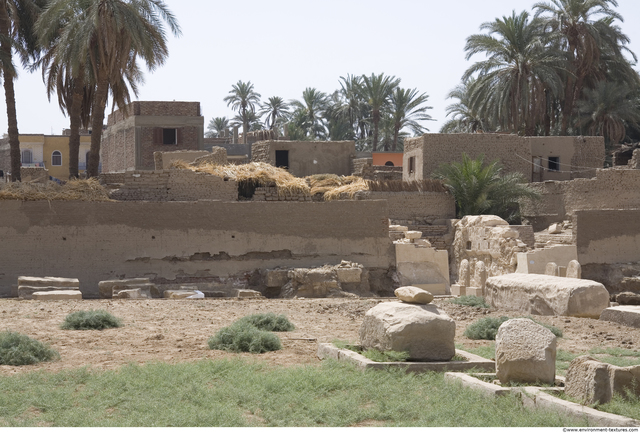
[[284, 46]]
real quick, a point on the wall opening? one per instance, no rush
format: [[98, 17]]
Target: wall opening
[[412, 164], [169, 136], [56, 158], [282, 158], [27, 157], [554, 163], [389, 164]]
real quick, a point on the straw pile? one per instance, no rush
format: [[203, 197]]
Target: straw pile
[[425, 185], [348, 190], [81, 190], [259, 174], [324, 183]]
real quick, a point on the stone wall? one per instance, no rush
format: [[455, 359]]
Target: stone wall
[[155, 108], [360, 164], [607, 236], [308, 157], [185, 243], [411, 205], [174, 185], [271, 194], [163, 160], [610, 189]]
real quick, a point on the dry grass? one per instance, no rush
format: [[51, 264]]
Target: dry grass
[[82, 190], [348, 190], [326, 183], [426, 185]]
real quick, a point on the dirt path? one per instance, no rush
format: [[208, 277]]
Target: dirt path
[[177, 330]]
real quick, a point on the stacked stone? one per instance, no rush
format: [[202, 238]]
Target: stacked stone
[[49, 288], [133, 288], [361, 166], [271, 194]]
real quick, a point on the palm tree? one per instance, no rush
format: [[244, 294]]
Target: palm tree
[[16, 35], [407, 110], [481, 189], [354, 106], [377, 90], [277, 111], [513, 83], [583, 38], [243, 99], [312, 108], [216, 127], [465, 119]]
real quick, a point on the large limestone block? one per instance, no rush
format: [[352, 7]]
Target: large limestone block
[[349, 275], [276, 277], [249, 294], [595, 382], [413, 295], [547, 295], [425, 331], [628, 298], [57, 295], [626, 315], [525, 352], [48, 282], [178, 294], [26, 292], [109, 288]]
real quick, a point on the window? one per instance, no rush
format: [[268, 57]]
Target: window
[[169, 136], [27, 157], [56, 158], [282, 158], [412, 164], [389, 164], [554, 163]]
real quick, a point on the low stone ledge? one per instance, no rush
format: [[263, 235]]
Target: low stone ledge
[[626, 315], [58, 295], [329, 351]]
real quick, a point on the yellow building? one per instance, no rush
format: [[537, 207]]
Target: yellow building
[[52, 153]]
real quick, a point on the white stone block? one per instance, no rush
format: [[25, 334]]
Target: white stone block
[[57, 295], [413, 234], [349, 275], [458, 290], [413, 295]]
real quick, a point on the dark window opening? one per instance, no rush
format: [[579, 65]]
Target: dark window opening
[[412, 164], [389, 164], [56, 158], [282, 158], [554, 163], [468, 245], [27, 156], [169, 136]]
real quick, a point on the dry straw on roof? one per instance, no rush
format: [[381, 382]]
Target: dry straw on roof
[[82, 190]]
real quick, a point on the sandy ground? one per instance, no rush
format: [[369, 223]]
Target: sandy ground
[[177, 330]]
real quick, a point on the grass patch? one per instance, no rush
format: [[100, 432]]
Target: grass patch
[[614, 351], [92, 319], [470, 301], [268, 322], [235, 393], [20, 349], [486, 328], [625, 405], [244, 337], [487, 352], [387, 356]]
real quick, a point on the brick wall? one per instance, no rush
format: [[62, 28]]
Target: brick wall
[[149, 144], [271, 194], [155, 108], [412, 205]]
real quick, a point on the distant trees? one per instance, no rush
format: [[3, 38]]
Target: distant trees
[[243, 99]]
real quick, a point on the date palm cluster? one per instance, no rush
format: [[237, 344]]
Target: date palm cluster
[[88, 51], [371, 109], [563, 69]]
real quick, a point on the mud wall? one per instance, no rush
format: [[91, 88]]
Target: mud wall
[[185, 242]]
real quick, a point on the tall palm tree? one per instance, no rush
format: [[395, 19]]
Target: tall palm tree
[[312, 108], [243, 99], [515, 79], [216, 127], [17, 18], [110, 35], [583, 29], [465, 118], [407, 110], [276, 110], [355, 107], [377, 90]]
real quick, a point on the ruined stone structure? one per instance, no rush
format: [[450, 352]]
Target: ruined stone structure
[[304, 158], [131, 139], [364, 167], [537, 158], [218, 246]]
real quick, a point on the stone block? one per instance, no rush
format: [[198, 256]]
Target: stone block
[[26, 292], [276, 277], [595, 382], [248, 294], [562, 271], [178, 294], [137, 293], [413, 295], [475, 291], [574, 270], [551, 269], [412, 234], [425, 331], [57, 295], [349, 275], [458, 290], [628, 298], [555, 229], [48, 282], [626, 315], [433, 288], [547, 295], [525, 352], [105, 288]]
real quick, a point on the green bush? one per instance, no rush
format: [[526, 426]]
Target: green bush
[[268, 322], [92, 319], [19, 349], [485, 328], [470, 301], [244, 337]]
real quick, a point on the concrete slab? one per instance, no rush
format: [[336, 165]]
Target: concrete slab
[[57, 295], [627, 315], [329, 351]]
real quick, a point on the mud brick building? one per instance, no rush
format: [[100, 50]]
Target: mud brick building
[[131, 138]]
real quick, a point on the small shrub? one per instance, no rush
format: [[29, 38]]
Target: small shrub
[[470, 301], [19, 349], [92, 319], [243, 337], [268, 322], [388, 356], [485, 328]]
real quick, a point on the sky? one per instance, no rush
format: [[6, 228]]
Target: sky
[[284, 46]]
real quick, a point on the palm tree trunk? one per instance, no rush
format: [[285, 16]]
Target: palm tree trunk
[[74, 126], [97, 120], [376, 121], [396, 130], [10, 96]]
